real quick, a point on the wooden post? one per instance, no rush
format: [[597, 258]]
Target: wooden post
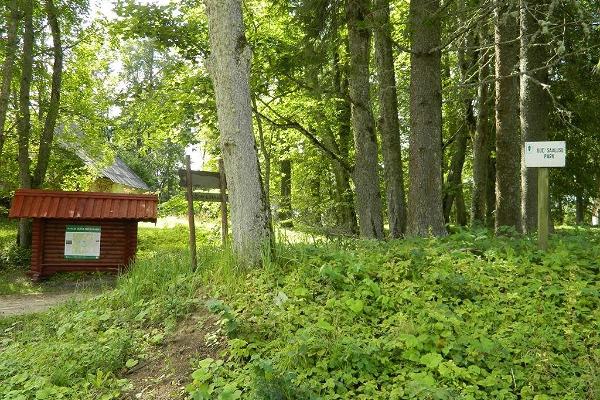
[[223, 182], [543, 208], [191, 222]]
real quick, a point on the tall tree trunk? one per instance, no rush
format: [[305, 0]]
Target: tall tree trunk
[[388, 120], [462, 217], [454, 181], [508, 140], [425, 214], [535, 101], [580, 207], [24, 117], [454, 185], [263, 149], [366, 179], [12, 19], [285, 212], [481, 141], [344, 195], [490, 195], [229, 67], [47, 135]]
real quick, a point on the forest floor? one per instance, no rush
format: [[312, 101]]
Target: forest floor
[[467, 316]]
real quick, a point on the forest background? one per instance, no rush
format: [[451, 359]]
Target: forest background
[[332, 100]]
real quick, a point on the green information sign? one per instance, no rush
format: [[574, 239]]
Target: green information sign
[[82, 242]]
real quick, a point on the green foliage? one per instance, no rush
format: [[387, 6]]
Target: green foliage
[[466, 317], [78, 350]]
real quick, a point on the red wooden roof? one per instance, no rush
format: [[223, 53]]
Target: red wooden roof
[[33, 203]]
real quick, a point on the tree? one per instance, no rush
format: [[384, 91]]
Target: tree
[[229, 67], [47, 135], [482, 139], [534, 100], [388, 120], [24, 118], [425, 215], [12, 19], [366, 179], [508, 140]]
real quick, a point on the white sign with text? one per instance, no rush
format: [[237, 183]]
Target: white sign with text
[[545, 154]]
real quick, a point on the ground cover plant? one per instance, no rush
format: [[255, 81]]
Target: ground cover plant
[[78, 350], [466, 317]]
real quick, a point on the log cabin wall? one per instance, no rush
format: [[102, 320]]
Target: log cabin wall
[[118, 245]]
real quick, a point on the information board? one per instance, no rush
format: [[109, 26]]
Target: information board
[[545, 154], [82, 242]]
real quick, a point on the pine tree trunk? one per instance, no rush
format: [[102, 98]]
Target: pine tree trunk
[[388, 120], [47, 135], [481, 142], [229, 67], [425, 214], [12, 19], [535, 101], [508, 140], [366, 179]]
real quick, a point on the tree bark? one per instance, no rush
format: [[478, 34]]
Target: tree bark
[[535, 101], [389, 127], [508, 140], [366, 179], [425, 214], [12, 19], [481, 141], [263, 148], [344, 195], [229, 67], [454, 181], [285, 211], [580, 207], [490, 195], [24, 117], [47, 135]]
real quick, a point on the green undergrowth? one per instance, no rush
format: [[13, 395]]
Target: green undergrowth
[[80, 349], [464, 317]]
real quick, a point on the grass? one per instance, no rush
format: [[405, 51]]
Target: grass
[[465, 317]]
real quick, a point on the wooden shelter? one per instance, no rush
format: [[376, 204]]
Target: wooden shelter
[[82, 231]]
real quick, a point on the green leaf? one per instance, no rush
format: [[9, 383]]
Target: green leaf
[[431, 360], [132, 362], [355, 305]]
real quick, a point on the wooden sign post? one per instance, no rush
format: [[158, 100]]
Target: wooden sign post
[[543, 155], [191, 222], [204, 180]]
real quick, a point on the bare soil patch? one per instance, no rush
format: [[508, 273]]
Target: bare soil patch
[[166, 372]]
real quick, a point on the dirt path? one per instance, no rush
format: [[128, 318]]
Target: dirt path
[[32, 303], [53, 293], [168, 368]]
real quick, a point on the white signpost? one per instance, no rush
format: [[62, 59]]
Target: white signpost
[[544, 155]]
